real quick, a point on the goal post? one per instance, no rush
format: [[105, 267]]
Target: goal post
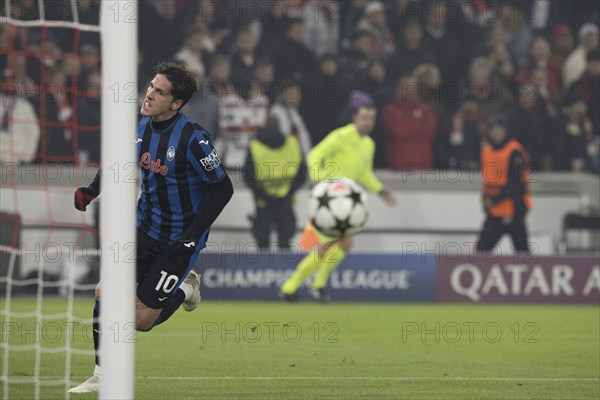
[[118, 204]]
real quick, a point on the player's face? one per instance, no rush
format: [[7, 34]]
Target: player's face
[[365, 119], [159, 103]]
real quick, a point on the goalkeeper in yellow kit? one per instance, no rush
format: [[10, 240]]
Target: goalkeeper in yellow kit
[[345, 152]]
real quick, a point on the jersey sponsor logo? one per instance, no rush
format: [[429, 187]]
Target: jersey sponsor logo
[[211, 161], [190, 244], [171, 153], [147, 162]]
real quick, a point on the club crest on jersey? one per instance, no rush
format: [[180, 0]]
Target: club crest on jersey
[[211, 161], [171, 153], [147, 162]]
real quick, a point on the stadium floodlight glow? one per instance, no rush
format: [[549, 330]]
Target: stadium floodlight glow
[[117, 210]]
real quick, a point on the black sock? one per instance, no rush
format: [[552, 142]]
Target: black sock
[[172, 305], [96, 329]]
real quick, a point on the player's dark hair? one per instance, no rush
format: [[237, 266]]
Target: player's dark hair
[[183, 81]]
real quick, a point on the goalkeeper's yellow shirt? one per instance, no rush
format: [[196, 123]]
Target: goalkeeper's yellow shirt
[[344, 153]]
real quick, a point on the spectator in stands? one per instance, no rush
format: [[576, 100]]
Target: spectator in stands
[[531, 122], [506, 195], [321, 26], [375, 84], [563, 43], [355, 61], [399, 14], [20, 129], [15, 74], [352, 12], [429, 81], [410, 52], [162, 29], [574, 137], [503, 67], [575, 64], [244, 57], [442, 42], [588, 88], [375, 23], [492, 95], [264, 75], [203, 107], [324, 99], [241, 114], [409, 129], [275, 23], [518, 32], [539, 58], [274, 170], [190, 55], [89, 63], [293, 60], [290, 122], [458, 143], [89, 120], [58, 144], [496, 50]]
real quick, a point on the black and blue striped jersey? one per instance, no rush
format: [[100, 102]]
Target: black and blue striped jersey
[[178, 164]]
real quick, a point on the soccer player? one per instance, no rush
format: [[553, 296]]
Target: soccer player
[[345, 152], [184, 188]]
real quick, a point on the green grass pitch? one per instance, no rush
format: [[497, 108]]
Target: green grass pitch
[[233, 350]]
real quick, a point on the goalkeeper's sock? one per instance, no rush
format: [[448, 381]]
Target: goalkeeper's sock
[[172, 305], [96, 329], [331, 259], [305, 269]]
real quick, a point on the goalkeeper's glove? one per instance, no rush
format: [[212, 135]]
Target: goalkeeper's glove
[[83, 197]]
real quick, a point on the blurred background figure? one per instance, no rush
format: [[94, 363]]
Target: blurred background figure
[[574, 137], [575, 64], [458, 143], [191, 54], [531, 123], [374, 21], [290, 122], [321, 20], [506, 197], [409, 129], [20, 129], [274, 171]]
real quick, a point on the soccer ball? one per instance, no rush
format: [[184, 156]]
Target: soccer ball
[[338, 207]]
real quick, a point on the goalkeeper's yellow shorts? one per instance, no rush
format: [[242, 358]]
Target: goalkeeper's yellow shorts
[[312, 237]]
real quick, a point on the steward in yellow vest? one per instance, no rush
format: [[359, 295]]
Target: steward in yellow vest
[[505, 170], [274, 171]]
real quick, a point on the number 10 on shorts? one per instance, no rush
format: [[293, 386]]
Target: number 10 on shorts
[[167, 283]]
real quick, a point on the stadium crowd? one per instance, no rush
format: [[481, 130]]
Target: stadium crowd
[[435, 70]]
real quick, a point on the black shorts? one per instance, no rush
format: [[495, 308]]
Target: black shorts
[[159, 271]]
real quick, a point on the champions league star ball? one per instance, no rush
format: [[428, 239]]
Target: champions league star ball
[[338, 207]]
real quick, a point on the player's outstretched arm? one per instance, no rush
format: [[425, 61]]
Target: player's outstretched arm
[[220, 194], [84, 195]]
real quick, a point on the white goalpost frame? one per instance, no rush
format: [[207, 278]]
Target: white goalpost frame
[[118, 24]]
